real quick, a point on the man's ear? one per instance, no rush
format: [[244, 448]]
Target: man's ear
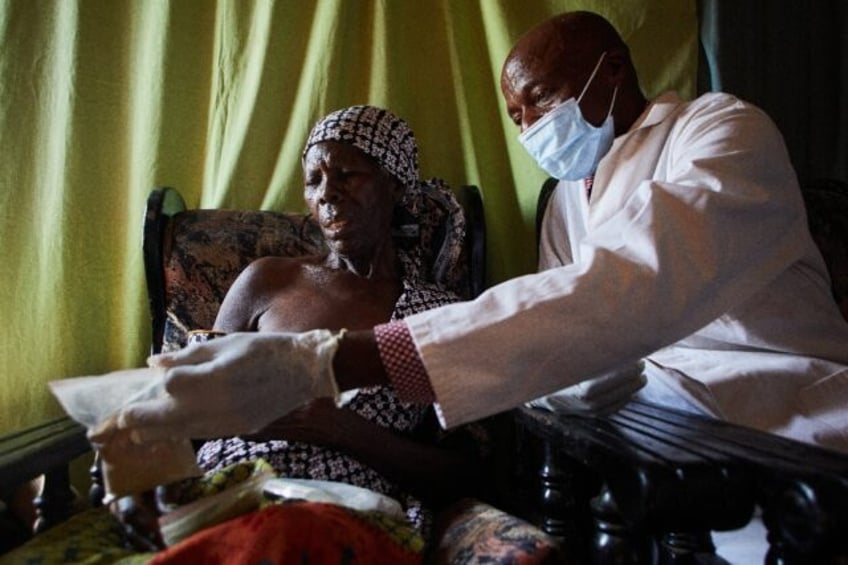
[[617, 63], [398, 190]]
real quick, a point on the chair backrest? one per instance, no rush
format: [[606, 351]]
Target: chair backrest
[[192, 257], [827, 215]]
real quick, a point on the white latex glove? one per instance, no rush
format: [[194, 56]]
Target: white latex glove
[[235, 384]]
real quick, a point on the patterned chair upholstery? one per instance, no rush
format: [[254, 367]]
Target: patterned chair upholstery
[[826, 200], [194, 256]]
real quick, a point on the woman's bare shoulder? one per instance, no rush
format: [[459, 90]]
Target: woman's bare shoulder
[[257, 287], [273, 267]]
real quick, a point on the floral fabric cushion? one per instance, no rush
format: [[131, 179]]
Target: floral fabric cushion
[[474, 532]]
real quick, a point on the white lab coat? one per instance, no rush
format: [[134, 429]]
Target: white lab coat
[[693, 255]]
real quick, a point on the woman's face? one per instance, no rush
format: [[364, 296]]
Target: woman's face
[[350, 195]]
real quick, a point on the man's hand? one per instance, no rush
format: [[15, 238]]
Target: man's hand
[[234, 385]]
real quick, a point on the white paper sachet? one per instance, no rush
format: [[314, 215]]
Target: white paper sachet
[[128, 468], [602, 394], [334, 492]]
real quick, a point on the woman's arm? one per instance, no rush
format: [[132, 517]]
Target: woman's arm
[[237, 312], [431, 471]]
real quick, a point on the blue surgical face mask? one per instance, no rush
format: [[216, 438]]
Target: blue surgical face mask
[[564, 144]]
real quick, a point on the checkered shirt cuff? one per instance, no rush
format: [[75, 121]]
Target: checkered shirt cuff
[[403, 365]]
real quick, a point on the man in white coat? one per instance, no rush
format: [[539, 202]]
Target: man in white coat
[[676, 238]]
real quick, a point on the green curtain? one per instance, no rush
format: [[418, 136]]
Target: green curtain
[[103, 100]]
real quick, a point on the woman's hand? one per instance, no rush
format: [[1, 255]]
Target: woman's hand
[[318, 422]]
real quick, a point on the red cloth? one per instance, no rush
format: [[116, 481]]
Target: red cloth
[[298, 532]]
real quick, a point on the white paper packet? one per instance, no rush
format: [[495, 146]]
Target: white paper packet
[[342, 494], [601, 394], [128, 468]]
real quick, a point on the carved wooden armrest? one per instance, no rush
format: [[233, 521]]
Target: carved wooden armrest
[[649, 483], [47, 450]]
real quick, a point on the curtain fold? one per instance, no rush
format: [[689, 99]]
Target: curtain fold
[[103, 100]]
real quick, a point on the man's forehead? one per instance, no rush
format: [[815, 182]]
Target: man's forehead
[[538, 61], [568, 41]]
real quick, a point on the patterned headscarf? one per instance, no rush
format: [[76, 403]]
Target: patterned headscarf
[[429, 211], [377, 132]]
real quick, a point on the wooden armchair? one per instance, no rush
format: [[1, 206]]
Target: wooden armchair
[[648, 484]]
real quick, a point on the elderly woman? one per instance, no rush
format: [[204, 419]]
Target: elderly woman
[[360, 171], [393, 248]]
